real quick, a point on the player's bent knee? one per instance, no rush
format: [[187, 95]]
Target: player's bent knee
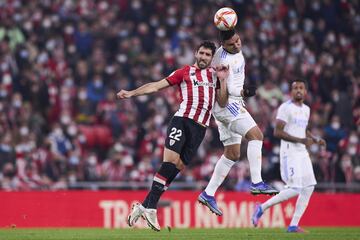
[[177, 162], [173, 157], [308, 190], [180, 164], [232, 154], [254, 134]]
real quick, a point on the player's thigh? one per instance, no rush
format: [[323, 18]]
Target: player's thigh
[[293, 170], [175, 138], [307, 173], [232, 151], [227, 137], [243, 123], [195, 134], [288, 167]]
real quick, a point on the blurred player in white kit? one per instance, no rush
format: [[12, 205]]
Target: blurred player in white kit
[[296, 169]]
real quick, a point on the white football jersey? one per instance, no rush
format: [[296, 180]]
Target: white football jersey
[[297, 119], [235, 83], [236, 62]]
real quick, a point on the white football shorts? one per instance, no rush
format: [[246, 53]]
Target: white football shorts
[[296, 168], [233, 121]]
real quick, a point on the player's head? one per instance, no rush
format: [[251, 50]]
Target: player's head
[[298, 89], [204, 54], [230, 41]]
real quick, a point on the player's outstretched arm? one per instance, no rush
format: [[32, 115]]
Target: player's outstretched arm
[[144, 89], [222, 95], [280, 133]]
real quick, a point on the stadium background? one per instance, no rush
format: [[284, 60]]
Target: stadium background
[[62, 62]]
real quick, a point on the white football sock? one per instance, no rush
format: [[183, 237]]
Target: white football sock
[[221, 170], [301, 204], [282, 196], [254, 156]]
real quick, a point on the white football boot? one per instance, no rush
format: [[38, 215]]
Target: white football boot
[[150, 216], [137, 212]]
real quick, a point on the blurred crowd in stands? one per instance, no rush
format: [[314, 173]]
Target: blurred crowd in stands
[[62, 62]]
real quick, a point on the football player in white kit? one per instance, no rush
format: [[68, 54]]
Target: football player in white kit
[[296, 169], [235, 122]]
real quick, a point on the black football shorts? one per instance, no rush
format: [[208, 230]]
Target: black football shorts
[[184, 136]]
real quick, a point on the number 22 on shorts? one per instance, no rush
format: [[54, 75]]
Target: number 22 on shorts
[[175, 135]]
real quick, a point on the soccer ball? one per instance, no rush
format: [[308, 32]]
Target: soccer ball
[[225, 19]]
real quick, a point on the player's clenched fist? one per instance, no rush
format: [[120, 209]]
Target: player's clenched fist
[[124, 94], [222, 72]]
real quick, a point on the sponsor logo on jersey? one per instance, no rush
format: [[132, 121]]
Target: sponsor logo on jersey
[[172, 141], [206, 84], [300, 122]]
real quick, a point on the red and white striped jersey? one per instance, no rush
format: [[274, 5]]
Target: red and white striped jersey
[[197, 88]]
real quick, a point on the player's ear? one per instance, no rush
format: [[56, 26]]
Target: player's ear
[[196, 53]]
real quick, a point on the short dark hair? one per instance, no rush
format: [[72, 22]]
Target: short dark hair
[[226, 35], [207, 44], [299, 80]]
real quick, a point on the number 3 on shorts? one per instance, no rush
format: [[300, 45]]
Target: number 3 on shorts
[[175, 134], [292, 171]]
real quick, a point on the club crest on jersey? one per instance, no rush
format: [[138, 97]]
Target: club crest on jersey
[[172, 141], [206, 84]]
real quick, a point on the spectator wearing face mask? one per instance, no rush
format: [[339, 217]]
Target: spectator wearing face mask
[[96, 91], [333, 134]]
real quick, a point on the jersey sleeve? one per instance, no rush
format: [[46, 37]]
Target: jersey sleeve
[[282, 114], [217, 60], [176, 77], [308, 112]]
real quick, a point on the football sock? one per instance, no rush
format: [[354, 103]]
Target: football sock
[[221, 170], [254, 155], [301, 204], [171, 177], [162, 179], [282, 196]]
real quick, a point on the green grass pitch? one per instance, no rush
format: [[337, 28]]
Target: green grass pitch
[[177, 234]]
